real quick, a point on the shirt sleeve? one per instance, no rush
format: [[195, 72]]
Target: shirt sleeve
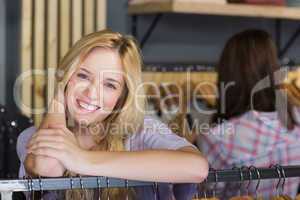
[[22, 141], [217, 146], [157, 135]]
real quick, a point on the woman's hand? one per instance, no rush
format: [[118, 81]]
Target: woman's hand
[[57, 110], [44, 165], [60, 143]]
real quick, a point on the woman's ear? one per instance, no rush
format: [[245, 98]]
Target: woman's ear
[[56, 112]]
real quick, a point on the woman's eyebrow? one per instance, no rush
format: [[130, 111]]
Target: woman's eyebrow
[[113, 80], [87, 71]]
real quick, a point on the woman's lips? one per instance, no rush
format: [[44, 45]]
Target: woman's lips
[[86, 107]]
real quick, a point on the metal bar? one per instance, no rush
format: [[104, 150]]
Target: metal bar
[[150, 29], [233, 175], [289, 43], [66, 183], [265, 173]]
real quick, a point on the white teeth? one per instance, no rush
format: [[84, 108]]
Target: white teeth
[[88, 107]]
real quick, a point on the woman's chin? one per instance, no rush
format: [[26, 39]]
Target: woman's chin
[[83, 121], [81, 118]]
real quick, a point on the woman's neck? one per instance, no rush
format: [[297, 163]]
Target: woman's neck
[[84, 137]]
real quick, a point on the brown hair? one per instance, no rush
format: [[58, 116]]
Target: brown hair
[[248, 58]]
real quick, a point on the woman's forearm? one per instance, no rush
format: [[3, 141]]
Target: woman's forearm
[[151, 165]]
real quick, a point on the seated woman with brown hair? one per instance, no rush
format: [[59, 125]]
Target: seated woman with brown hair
[[254, 124]]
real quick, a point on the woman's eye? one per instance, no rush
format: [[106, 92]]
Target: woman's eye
[[112, 86], [82, 76]]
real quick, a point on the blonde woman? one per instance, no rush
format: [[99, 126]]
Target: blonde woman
[[96, 124]]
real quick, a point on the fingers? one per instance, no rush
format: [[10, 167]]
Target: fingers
[[61, 129], [47, 151], [57, 126], [53, 131], [45, 144], [41, 132], [62, 135], [41, 138], [49, 133]]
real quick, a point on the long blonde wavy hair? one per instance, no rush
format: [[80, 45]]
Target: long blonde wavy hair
[[129, 120]]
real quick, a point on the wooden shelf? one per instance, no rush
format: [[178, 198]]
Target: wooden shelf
[[192, 7]]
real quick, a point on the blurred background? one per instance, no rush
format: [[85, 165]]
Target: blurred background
[[35, 34], [176, 36]]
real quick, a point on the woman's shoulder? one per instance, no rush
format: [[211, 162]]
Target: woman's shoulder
[[251, 123], [151, 118], [153, 125], [22, 141], [26, 134], [156, 135], [227, 131]]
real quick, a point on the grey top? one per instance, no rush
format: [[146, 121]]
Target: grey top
[[154, 135]]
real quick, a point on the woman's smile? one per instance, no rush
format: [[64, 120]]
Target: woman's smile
[[86, 107]]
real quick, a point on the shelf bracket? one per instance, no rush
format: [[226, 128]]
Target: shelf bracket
[[289, 43], [145, 38], [134, 19]]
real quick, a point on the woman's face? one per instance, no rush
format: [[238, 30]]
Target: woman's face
[[95, 87]]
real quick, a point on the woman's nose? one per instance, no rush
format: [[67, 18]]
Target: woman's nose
[[92, 92]]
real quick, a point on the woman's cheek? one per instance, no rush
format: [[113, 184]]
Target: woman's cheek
[[68, 100], [70, 88], [70, 97], [110, 100], [110, 103]]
